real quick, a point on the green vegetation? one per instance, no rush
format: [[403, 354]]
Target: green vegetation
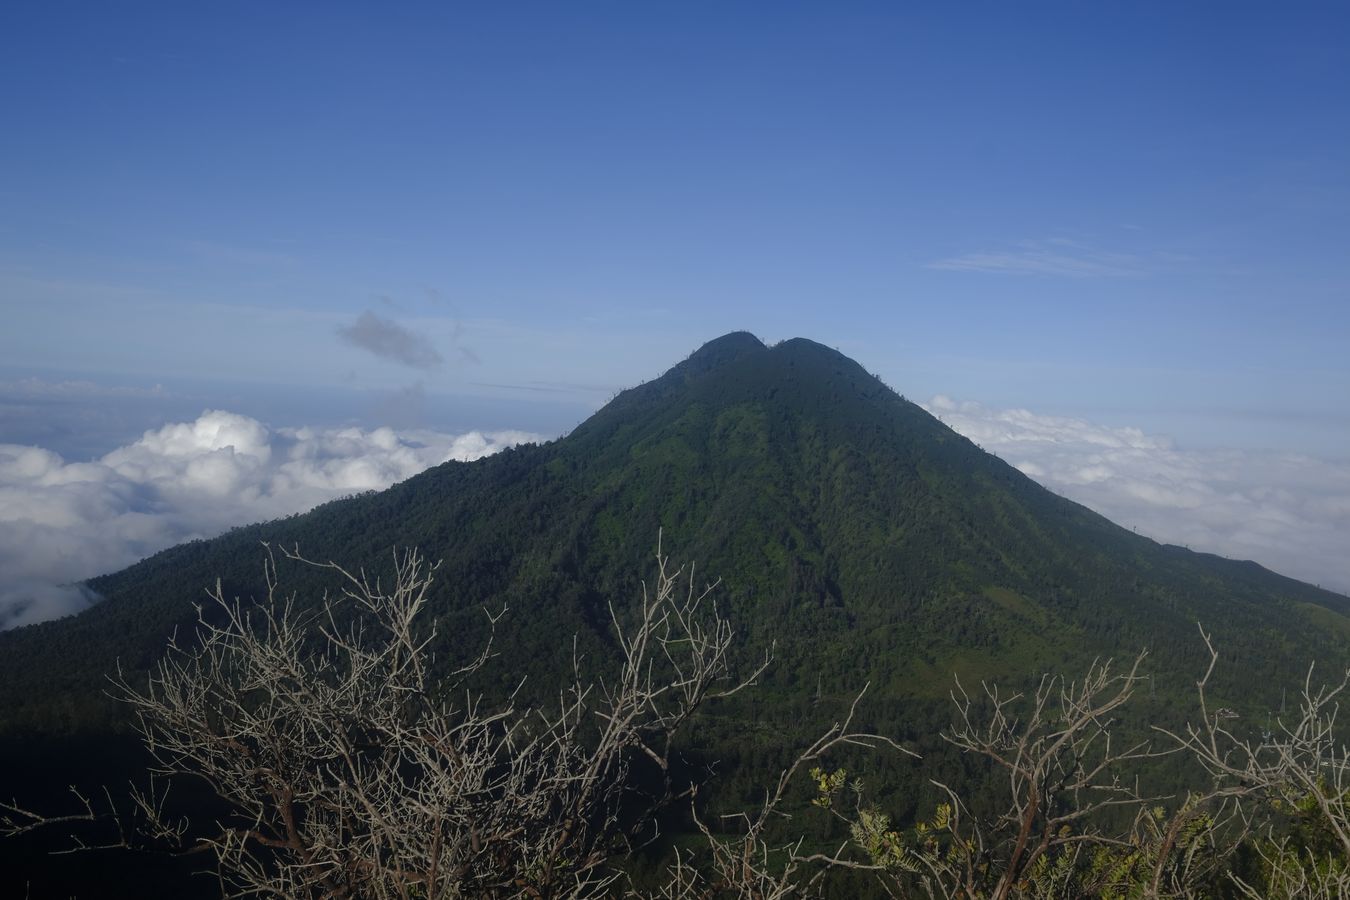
[[852, 531], [336, 764]]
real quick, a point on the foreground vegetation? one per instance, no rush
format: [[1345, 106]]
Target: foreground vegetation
[[343, 760]]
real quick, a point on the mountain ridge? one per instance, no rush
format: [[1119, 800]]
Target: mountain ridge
[[845, 521]]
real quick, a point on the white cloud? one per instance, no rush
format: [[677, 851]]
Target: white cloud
[[1289, 512], [62, 522]]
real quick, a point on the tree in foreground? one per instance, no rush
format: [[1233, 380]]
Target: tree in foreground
[[1268, 816], [347, 770]]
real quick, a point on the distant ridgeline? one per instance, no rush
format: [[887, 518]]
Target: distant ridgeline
[[851, 530]]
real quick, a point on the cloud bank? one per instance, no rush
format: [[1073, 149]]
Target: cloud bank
[[1289, 512], [61, 522]]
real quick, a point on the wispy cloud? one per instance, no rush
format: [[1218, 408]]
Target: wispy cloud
[[1289, 512], [61, 522], [34, 388], [389, 340], [552, 387], [1056, 257]]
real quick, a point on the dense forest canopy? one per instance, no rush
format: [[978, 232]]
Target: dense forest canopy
[[855, 537]]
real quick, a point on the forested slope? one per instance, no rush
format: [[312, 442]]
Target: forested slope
[[853, 531]]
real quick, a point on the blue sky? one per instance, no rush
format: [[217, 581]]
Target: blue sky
[[1136, 214]]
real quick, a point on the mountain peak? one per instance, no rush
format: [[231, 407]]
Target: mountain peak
[[800, 347], [801, 344], [849, 525], [720, 351]]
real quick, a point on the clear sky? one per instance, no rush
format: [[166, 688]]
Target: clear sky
[[493, 216]]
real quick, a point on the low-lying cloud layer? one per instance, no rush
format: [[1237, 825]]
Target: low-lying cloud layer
[[61, 522], [1289, 512]]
